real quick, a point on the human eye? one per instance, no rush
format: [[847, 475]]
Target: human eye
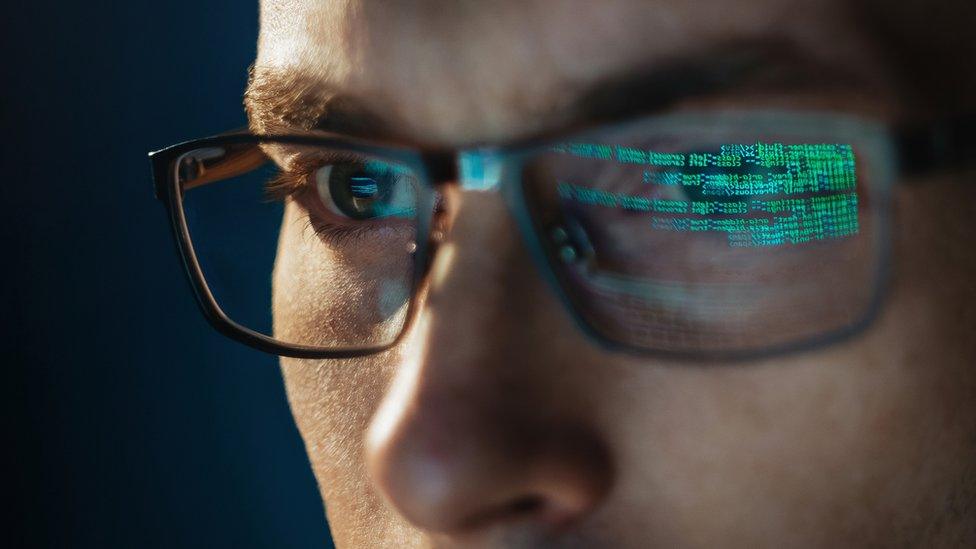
[[365, 190], [716, 223], [347, 195]]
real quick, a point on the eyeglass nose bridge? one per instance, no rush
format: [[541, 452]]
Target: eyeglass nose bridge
[[479, 170]]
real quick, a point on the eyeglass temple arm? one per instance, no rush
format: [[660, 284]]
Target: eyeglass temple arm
[[228, 161], [943, 145]]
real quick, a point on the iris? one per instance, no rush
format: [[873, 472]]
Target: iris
[[369, 190]]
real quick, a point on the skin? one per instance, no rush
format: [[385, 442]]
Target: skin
[[496, 423]]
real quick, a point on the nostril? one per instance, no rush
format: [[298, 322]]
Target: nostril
[[527, 505], [530, 507]]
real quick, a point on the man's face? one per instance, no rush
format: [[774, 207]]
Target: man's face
[[497, 423]]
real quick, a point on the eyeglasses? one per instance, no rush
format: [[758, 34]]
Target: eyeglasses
[[706, 235]]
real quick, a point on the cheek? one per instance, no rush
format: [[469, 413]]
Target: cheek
[[339, 293], [864, 440], [332, 402], [324, 294], [829, 449]]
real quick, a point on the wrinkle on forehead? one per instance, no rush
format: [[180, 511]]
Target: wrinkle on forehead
[[460, 71]]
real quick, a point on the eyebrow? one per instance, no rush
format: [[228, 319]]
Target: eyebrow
[[288, 100]]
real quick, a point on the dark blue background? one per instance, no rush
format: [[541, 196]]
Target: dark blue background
[[132, 423]]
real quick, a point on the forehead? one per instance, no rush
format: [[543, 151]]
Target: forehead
[[467, 71]]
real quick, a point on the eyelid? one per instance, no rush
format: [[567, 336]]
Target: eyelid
[[294, 177]]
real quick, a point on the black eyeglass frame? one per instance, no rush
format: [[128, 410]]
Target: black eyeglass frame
[[919, 149]]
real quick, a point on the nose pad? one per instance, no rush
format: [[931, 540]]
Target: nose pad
[[443, 207], [572, 243]]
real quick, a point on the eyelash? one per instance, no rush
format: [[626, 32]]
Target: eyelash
[[336, 234], [289, 182]]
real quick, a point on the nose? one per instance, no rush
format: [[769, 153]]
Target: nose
[[482, 425]]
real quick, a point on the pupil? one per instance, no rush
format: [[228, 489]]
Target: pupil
[[360, 191], [363, 186]]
